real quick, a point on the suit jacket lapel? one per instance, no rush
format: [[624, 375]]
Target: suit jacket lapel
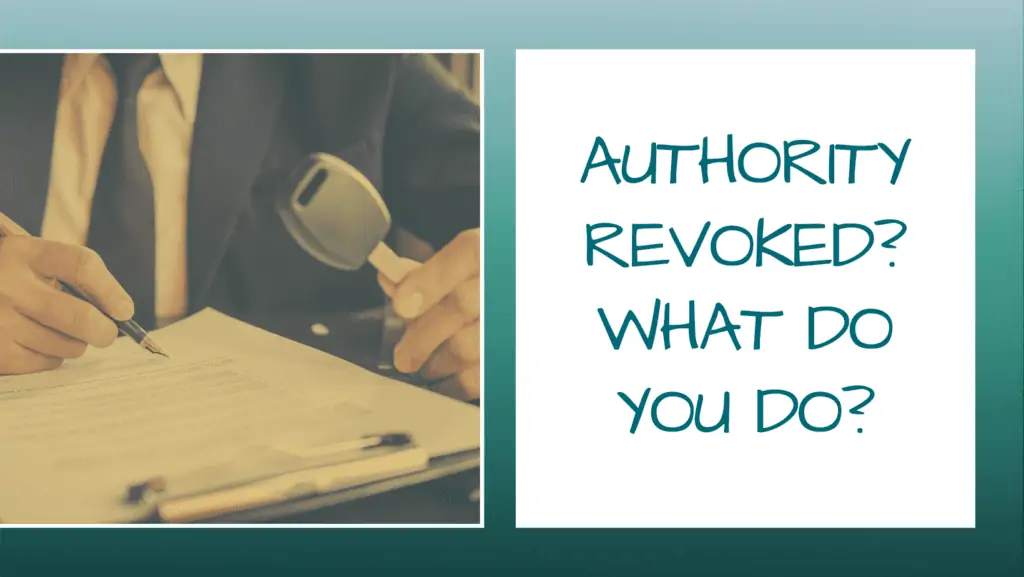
[[239, 103], [28, 114]]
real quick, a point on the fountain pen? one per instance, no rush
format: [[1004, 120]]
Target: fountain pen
[[128, 328]]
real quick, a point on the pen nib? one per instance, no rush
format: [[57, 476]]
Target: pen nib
[[153, 348]]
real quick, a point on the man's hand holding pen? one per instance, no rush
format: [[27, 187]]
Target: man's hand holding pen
[[41, 325], [441, 304]]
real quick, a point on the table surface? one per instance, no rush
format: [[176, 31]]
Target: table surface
[[357, 339]]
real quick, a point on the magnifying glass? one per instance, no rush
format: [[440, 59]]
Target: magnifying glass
[[338, 217]]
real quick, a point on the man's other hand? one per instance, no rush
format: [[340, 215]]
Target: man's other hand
[[440, 302]]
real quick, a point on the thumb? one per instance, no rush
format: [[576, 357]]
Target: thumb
[[403, 267]]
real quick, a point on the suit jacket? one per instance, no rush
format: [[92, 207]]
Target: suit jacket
[[399, 119]]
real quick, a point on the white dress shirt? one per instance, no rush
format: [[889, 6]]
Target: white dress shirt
[[167, 108]]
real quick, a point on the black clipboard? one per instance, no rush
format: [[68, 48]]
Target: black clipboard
[[318, 484], [439, 468]]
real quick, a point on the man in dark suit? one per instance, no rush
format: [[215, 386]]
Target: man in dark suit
[[152, 177]]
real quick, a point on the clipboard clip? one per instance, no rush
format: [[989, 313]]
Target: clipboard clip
[[348, 464]]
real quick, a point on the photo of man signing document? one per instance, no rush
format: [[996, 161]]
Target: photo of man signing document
[[235, 219]]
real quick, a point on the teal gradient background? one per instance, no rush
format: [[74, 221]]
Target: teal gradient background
[[992, 27]]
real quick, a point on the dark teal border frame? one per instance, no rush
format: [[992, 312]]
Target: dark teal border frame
[[992, 27]]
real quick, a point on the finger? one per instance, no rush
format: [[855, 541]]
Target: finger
[[82, 269], [387, 286], [425, 334], [8, 226], [64, 313], [404, 267], [37, 338], [453, 265], [17, 360], [465, 386], [461, 350], [466, 299]]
